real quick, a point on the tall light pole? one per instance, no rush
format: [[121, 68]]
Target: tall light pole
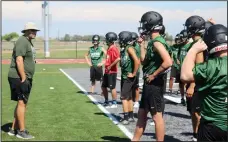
[[46, 28]]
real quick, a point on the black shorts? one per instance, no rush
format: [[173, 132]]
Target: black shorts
[[20, 91], [152, 96], [127, 88], [209, 132], [136, 85], [96, 73], [109, 81], [177, 77], [193, 103], [173, 72]]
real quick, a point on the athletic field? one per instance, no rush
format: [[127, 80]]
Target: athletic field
[[68, 113], [58, 50]]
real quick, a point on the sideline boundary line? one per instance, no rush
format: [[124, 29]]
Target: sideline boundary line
[[103, 109]]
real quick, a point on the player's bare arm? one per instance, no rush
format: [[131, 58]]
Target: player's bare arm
[[103, 61], [114, 63], [211, 20], [131, 52], [199, 59], [190, 61], [142, 45]]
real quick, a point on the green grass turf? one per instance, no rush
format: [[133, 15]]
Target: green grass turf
[[59, 114], [55, 54]]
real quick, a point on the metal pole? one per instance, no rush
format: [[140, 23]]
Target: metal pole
[[46, 29]]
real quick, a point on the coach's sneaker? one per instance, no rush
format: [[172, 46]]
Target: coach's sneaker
[[12, 132], [24, 135]]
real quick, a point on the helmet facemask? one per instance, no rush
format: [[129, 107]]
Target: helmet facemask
[[163, 35], [142, 31], [183, 39], [134, 41], [177, 41], [108, 42], [191, 30], [96, 42], [147, 29], [124, 44]]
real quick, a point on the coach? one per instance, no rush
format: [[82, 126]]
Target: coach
[[20, 77]]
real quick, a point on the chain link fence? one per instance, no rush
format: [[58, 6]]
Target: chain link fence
[[57, 49]]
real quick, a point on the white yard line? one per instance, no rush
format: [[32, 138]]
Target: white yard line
[[104, 110]]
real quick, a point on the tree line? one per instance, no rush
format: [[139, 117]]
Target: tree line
[[10, 36], [67, 37]]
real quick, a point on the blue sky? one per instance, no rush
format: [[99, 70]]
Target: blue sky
[[85, 18]]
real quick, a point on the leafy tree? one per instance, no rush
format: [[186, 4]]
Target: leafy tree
[[67, 37], [10, 36]]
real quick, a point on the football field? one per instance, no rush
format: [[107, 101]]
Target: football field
[[68, 112], [57, 114]]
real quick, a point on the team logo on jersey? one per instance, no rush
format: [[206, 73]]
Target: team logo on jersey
[[95, 55]]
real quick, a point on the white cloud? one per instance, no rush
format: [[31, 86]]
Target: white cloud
[[92, 11], [12, 10]]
